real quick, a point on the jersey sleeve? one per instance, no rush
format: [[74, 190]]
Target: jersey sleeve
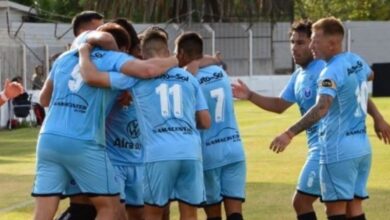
[[201, 103], [119, 59], [120, 81], [366, 69], [288, 93], [329, 81]]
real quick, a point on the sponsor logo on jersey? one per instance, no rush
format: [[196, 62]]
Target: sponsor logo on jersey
[[327, 83], [355, 68], [207, 79]]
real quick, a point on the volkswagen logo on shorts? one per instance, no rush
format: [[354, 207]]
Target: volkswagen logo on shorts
[[132, 129]]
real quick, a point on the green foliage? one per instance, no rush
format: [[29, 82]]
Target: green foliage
[[343, 9]]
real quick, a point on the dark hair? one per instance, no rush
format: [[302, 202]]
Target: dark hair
[[301, 26], [120, 35], [83, 18], [191, 43], [134, 41]]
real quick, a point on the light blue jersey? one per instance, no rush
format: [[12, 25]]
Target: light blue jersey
[[122, 133], [221, 143], [342, 131], [76, 109], [166, 107], [302, 89]]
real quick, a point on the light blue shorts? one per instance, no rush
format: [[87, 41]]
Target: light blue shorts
[[345, 180], [180, 180], [309, 179], [225, 182], [131, 182], [62, 159]]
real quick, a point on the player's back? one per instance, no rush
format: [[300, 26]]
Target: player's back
[[221, 143], [343, 130], [77, 110], [122, 134], [166, 108]]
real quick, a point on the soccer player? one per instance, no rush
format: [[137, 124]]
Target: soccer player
[[76, 118], [345, 156], [223, 154], [301, 89], [10, 91], [173, 167]]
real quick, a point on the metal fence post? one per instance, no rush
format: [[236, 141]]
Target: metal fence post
[[209, 29]]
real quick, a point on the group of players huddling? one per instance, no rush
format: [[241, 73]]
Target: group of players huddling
[[131, 128]]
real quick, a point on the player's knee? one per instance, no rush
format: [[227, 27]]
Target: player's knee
[[337, 217], [307, 216], [235, 216]]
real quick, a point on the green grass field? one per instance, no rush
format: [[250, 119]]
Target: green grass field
[[271, 177]]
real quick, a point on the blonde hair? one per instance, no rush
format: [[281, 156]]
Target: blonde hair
[[329, 26]]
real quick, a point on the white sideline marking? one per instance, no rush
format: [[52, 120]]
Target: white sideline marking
[[16, 206]]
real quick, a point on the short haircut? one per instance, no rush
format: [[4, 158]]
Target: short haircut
[[120, 35], [83, 18], [301, 26], [134, 41], [154, 41], [191, 43], [330, 26]]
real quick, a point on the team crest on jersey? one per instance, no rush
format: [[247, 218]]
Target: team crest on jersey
[[327, 83], [133, 129], [307, 93]]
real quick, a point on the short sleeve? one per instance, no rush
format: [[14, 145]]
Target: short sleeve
[[288, 93], [120, 81], [201, 103]]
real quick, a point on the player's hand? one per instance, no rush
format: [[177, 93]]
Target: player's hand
[[85, 48], [12, 89], [280, 143], [240, 90], [125, 98], [382, 130]]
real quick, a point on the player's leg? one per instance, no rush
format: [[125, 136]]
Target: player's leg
[[108, 208], [159, 180], [337, 186], [189, 188], [50, 177], [308, 190], [96, 178], [355, 207], [212, 183], [233, 180], [187, 212], [134, 191], [46, 207]]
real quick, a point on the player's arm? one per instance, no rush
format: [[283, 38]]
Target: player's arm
[[382, 128], [315, 113], [91, 75], [46, 93], [10, 91], [203, 119], [98, 38], [273, 104], [149, 68]]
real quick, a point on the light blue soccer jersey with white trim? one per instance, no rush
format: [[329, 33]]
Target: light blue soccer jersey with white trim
[[76, 109], [342, 131], [302, 89], [166, 107], [122, 133], [221, 143]]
